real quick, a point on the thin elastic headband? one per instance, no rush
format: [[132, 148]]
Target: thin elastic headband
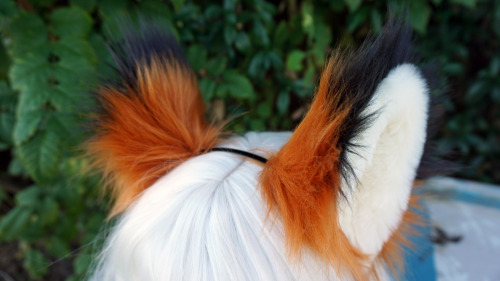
[[240, 152]]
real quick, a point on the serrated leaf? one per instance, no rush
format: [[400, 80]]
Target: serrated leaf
[[71, 22], [28, 32], [236, 86], [294, 60], [26, 125], [33, 69], [15, 223], [29, 197], [64, 123], [40, 155], [36, 263]]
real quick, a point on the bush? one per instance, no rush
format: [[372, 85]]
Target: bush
[[252, 57]]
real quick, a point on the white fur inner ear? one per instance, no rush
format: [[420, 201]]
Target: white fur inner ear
[[386, 161]]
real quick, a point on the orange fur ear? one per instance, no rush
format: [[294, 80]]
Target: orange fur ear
[[152, 116], [307, 180], [302, 181]]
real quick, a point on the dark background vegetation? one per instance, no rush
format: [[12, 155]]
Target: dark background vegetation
[[251, 56]]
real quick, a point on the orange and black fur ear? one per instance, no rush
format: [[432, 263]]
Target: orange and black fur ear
[[310, 183], [151, 117]]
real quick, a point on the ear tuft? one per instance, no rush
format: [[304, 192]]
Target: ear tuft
[[152, 116], [304, 182]]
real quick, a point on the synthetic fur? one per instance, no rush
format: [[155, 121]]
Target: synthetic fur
[[391, 149], [152, 116], [302, 183], [205, 220], [307, 195]]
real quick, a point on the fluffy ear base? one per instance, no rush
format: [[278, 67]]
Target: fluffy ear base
[[307, 183], [152, 115]]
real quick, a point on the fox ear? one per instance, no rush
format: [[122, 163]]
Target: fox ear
[[152, 114], [342, 182]]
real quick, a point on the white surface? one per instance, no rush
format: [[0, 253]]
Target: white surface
[[477, 256]]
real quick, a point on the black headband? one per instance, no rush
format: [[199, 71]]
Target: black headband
[[240, 152]]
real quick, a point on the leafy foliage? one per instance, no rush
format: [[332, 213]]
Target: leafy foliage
[[251, 56]]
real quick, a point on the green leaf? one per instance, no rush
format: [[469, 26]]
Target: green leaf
[[308, 19], [420, 14], [281, 34], [45, 3], [155, 9], [259, 65], [197, 56], [15, 223], [264, 110], [3, 194], [26, 126], [29, 197], [28, 32], [216, 66], [229, 34], [111, 8], [40, 155], [33, 69], [207, 87], [283, 102], [48, 211], [294, 60], [7, 8], [64, 123], [353, 4], [71, 22], [236, 86], [260, 32], [376, 21], [87, 5], [7, 115], [257, 125], [36, 263], [178, 4], [357, 18], [82, 263], [467, 3], [242, 42], [57, 247]]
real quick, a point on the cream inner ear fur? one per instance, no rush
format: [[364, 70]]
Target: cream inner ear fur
[[386, 162]]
